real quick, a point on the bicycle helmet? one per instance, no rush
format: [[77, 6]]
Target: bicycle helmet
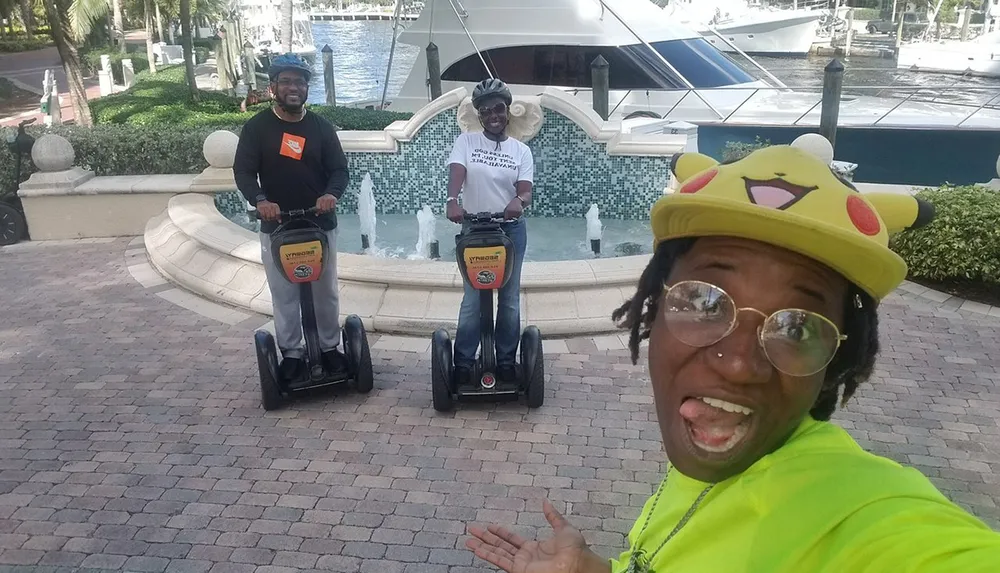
[[489, 88], [288, 61]]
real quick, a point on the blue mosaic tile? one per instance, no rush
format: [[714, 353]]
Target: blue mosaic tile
[[571, 173]]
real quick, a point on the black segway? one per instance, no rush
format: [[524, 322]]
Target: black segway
[[485, 258], [12, 225], [300, 248]]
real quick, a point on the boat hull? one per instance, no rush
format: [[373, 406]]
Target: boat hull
[[771, 35], [914, 156], [951, 58]]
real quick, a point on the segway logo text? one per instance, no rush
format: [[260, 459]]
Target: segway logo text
[[485, 267], [302, 262]]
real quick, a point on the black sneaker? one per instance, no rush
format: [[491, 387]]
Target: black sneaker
[[291, 369], [463, 376], [334, 361], [507, 373]]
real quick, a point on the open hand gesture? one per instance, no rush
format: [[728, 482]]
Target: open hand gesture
[[565, 552]]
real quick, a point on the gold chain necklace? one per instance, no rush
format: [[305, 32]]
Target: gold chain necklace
[[301, 117], [638, 562]]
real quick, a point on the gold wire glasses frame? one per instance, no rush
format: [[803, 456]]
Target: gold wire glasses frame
[[771, 322]]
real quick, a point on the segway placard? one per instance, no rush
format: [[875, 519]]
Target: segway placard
[[302, 262], [485, 266]]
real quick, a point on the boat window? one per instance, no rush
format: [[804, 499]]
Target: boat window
[[704, 65], [630, 67], [563, 66]]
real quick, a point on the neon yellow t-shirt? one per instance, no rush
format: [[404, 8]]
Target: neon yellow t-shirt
[[819, 504]]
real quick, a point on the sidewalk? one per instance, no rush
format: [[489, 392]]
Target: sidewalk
[[27, 69], [133, 437]]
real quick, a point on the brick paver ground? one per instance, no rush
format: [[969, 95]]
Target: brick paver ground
[[131, 437]]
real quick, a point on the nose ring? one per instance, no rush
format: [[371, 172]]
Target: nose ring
[[719, 354]]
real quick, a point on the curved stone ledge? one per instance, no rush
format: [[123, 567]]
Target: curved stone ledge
[[194, 246]]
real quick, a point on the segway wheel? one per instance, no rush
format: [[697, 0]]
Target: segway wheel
[[12, 225], [533, 366], [359, 353], [267, 365], [442, 371]]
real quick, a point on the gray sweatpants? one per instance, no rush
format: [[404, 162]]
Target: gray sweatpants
[[285, 299]]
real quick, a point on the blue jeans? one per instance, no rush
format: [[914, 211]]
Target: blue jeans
[[508, 316]]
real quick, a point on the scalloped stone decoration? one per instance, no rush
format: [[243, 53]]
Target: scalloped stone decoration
[[526, 118]]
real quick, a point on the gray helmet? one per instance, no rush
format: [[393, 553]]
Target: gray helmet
[[489, 88], [286, 62]]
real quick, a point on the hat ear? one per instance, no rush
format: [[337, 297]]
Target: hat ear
[[687, 165], [901, 211]]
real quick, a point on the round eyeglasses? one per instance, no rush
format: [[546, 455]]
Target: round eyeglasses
[[797, 342]]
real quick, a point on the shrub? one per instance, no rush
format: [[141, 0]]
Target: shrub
[[163, 99], [119, 150], [963, 241], [23, 44], [736, 150]]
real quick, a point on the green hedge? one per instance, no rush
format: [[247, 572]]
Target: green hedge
[[736, 150], [162, 99], [24, 44], [119, 150], [963, 241], [90, 59], [153, 128]]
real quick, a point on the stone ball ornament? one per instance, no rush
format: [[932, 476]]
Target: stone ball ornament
[[219, 149], [815, 144], [52, 153]]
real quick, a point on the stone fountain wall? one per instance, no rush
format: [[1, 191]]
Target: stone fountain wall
[[577, 162]]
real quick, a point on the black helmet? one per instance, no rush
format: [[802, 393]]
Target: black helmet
[[489, 88], [288, 61]]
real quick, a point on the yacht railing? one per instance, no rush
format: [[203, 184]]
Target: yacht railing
[[992, 103], [663, 60], [747, 56], [462, 15]]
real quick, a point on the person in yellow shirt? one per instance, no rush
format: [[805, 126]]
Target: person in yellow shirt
[[760, 307]]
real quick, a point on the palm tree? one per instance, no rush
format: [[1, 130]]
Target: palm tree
[[147, 7], [6, 11], [188, 49], [57, 12], [119, 39], [287, 8], [27, 17]]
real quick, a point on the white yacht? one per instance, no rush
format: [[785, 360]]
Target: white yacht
[[977, 57], [754, 30], [658, 69]]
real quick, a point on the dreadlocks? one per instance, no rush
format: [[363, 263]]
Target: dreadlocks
[[852, 365]]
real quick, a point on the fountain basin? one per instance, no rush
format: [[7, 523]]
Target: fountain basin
[[193, 245]]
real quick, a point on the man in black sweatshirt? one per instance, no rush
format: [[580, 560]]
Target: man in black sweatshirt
[[290, 159]]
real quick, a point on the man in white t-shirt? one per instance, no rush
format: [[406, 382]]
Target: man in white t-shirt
[[494, 173]]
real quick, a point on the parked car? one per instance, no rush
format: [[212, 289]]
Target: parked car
[[912, 22]]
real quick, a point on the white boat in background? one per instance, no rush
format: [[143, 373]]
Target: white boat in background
[[977, 57], [263, 27], [753, 29], [659, 70]]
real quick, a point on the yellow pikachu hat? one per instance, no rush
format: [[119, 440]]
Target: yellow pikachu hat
[[786, 197]]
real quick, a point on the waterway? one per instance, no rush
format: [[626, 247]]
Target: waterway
[[361, 59]]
